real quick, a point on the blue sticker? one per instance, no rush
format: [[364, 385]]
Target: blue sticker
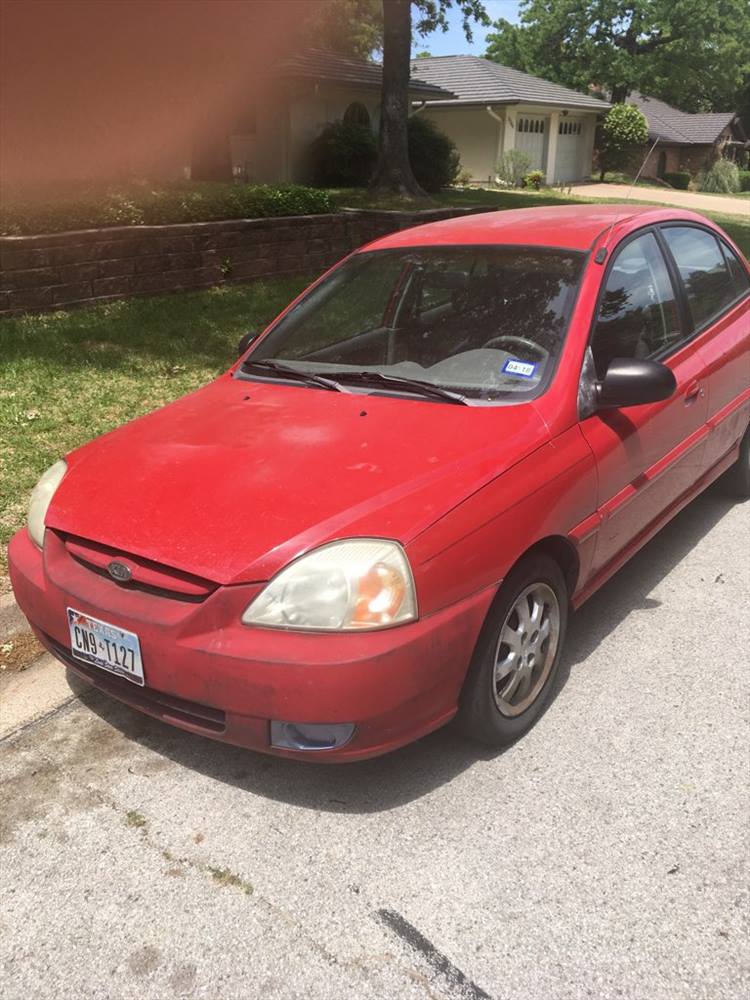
[[523, 368]]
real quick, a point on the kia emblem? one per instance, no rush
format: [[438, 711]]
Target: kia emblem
[[119, 571]]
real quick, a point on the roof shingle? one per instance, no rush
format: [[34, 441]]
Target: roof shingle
[[680, 127], [322, 65], [479, 81]]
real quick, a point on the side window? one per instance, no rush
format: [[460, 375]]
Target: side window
[[638, 315], [740, 278], [709, 285]]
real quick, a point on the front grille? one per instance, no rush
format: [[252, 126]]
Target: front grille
[[148, 576], [164, 706]]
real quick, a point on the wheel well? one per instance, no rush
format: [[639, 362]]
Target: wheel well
[[564, 554]]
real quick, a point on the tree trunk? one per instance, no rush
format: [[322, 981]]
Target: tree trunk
[[619, 94], [393, 173]]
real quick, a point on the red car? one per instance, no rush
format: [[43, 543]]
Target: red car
[[379, 518]]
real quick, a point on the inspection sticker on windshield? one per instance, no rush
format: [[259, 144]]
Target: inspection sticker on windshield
[[523, 368]]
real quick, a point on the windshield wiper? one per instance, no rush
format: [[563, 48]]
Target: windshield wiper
[[295, 373], [401, 382]]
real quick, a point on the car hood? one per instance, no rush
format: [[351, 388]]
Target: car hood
[[233, 481]]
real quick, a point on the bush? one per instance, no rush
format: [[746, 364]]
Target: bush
[[533, 180], [744, 176], [624, 129], [513, 167], [344, 155], [679, 179], [433, 155], [144, 205], [722, 178]]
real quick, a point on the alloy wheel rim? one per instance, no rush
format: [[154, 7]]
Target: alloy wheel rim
[[526, 649]]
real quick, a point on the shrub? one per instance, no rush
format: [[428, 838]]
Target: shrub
[[679, 179], [433, 155], [534, 179], [344, 155], [143, 205], [744, 176], [623, 129], [722, 178], [463, 179], [513, 167]]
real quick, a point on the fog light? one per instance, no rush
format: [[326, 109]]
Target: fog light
[[310, 735]]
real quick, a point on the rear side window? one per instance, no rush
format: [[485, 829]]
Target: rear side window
[[638, 315], [737, 270], [708, 283]]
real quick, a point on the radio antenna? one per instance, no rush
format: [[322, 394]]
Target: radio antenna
[[627, 196]]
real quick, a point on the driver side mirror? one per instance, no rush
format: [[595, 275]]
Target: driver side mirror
[[245, 342], [630, 382]]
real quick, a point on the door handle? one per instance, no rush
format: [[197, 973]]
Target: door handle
[[693, 392]]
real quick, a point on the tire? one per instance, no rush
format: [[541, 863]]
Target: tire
[[491, 710], [736, 479]]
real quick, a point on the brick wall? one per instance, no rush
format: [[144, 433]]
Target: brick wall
[[96, 265]]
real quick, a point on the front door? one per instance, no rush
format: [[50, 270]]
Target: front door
[[647, 456]]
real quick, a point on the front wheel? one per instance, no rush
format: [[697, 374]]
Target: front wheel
[[512, 673]]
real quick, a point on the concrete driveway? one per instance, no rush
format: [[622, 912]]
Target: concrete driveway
[[604, 855], [695, 201]]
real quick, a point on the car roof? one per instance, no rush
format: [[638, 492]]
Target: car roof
[[575, 227]]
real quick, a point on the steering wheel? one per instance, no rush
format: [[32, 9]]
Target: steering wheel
[[522, 342]]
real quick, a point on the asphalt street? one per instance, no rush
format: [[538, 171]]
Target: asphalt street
[[605, 855]]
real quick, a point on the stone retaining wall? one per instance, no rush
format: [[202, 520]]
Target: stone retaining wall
[[60, 270]]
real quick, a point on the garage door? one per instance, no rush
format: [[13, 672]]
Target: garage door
[[569, 150], [531, 137]]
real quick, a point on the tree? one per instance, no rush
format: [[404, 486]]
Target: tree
[[352, 27], [624, 129], [393, 173], [692, 53]]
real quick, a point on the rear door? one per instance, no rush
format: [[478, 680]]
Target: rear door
[[647, 456], [717, 289]]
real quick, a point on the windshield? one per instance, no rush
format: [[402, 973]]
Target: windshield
[[485, 322]]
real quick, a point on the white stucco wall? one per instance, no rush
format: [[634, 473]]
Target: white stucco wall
[[480, 144], [311, 111], [475, 134]]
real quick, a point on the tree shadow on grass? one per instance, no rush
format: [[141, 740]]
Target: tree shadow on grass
[[388, 782]]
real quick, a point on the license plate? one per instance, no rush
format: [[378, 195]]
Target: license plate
[[106, 646]]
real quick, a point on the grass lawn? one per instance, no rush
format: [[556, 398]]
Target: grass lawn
[[737, 228], [66, 377]]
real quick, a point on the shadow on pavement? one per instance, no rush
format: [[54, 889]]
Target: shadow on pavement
[[405, 775]]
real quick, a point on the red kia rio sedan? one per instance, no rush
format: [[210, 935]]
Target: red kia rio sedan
[[380, 517]]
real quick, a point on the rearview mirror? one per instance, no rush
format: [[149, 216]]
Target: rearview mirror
[[245, 342], [630, 382]]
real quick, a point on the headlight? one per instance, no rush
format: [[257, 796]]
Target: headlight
[[40, 500], [363, 583]]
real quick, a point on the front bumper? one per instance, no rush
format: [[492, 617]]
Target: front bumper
[[207, 673]]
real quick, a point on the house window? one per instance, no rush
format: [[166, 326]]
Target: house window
[[569, 127], [535, 125], [357, 114]]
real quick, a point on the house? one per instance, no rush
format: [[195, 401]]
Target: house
[[687, 142], [496, 109], [308, 91]]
